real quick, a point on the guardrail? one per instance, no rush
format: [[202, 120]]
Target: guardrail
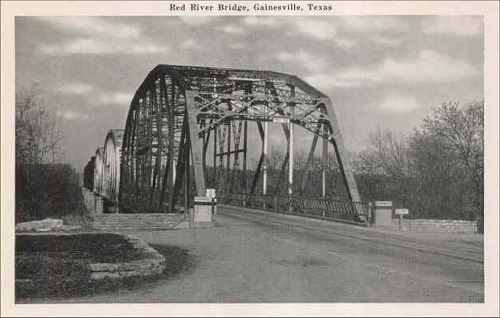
[[314, 207]]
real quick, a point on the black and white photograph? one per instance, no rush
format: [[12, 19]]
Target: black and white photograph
[[250, 158]]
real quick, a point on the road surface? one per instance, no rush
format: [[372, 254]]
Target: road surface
[[254, 256]]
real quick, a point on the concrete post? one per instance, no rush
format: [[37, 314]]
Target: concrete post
[[383, 213], [98, 208]]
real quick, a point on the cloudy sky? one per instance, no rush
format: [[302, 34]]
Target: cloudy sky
[[380, 72]]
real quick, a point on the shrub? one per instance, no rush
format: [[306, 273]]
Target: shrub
[[47, 190]]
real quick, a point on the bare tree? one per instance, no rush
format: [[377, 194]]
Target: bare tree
[[384, 167], [391, 153], [37, 130], [437, 171], [37, 140], [461, 130]]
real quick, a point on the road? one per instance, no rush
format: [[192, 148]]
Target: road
[[253, 256]]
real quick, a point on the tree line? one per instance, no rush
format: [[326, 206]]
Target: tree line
[[437, 171], [45, 187]]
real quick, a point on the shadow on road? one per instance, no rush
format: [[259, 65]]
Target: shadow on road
[[177, 260]]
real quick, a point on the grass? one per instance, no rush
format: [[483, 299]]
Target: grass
[[98, 247], [53, 267], [57, 265]]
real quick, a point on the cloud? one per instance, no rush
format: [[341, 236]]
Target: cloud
[[94, 26], [334, 30], [373, 24], [428, 67], [233, 29], [318, 29], [196, 20], [121, 99], [73, 89], [304, 59], [455, 25], [344, 42], [326, 81], [260, 21], [98, 36], [190, 44], [237, 45], [399, 104], [101, 46], [99, 97], [386, 41], [71, 115]]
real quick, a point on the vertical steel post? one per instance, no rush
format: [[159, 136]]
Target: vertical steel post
[[290, 166], [216, 130], [174, 171], [228, 158], [149, 140], [290, 161], [340, 153], [194, 143], [245, 143], [264, 168], [290, 150], [324, 157], [187, 156]]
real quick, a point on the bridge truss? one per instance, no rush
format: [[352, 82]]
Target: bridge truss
[[188, 129]]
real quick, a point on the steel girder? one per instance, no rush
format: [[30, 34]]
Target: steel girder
[[177, 110], [111, 165], [98, 170]]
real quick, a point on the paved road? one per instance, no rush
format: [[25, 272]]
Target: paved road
[[265, 257]]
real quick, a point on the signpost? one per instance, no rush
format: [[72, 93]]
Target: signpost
[[401, 212]]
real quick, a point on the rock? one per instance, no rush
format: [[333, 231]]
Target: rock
[[152, 263], [103, 275], [104, 267], [45, 225], [68, 228]]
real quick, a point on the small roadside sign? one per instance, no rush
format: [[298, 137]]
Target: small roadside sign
[[402, 211]]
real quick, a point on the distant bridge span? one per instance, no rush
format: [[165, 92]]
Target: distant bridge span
[[188, 129]]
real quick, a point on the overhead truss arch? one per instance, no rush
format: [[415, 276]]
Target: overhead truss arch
[[180, 112]]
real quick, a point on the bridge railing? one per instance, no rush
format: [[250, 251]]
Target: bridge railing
[[313, 207]]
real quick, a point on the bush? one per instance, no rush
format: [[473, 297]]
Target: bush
[[47, 190]]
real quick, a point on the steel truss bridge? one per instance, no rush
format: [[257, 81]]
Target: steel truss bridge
[[192, 128]]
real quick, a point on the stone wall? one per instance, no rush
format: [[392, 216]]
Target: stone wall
[[129, 221], [152, 263], [139, 221], [92, 202], [435, 226], [449, 226]]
